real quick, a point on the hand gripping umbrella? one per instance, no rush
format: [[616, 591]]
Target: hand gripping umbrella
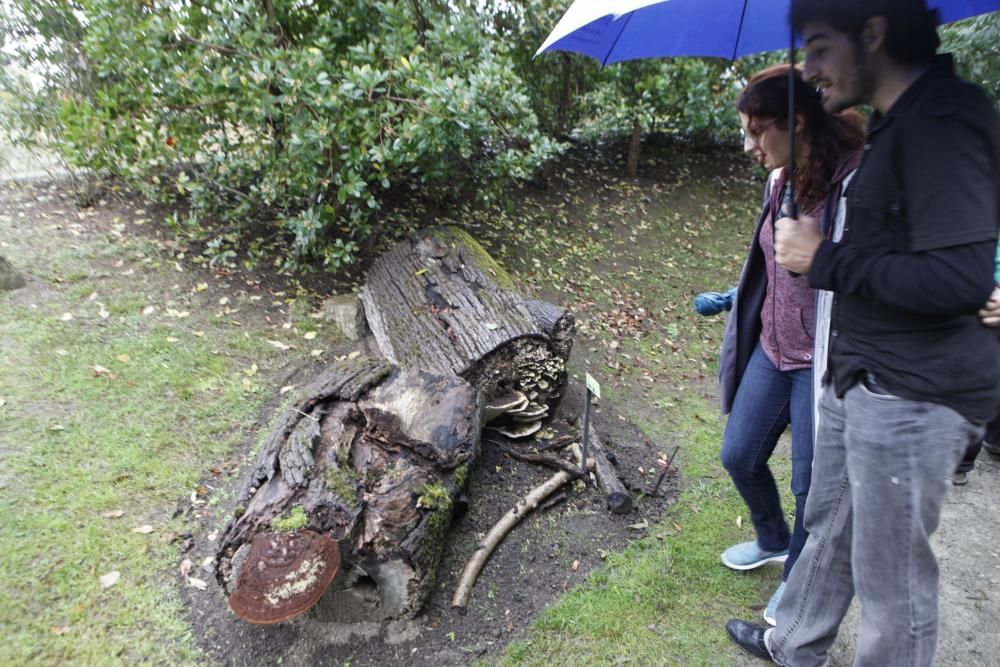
[[630, 29]]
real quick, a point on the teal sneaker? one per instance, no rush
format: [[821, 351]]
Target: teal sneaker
[[771, 613], [748, 555]]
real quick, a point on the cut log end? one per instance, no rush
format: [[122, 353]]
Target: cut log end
[[284, 575], [619, 503]]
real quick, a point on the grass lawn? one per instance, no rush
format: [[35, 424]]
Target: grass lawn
[[132, 374]]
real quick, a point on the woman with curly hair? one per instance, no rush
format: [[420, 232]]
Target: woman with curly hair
[[772, 345]]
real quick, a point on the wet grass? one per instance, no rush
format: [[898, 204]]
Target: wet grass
[[125, 382]]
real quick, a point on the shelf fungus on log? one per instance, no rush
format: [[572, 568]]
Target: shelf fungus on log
[[438, 302], [283, 575], [371, 459]]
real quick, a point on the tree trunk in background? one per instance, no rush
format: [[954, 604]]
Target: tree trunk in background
[[564, 100], [374, 458], [9, 277], [634, 147]]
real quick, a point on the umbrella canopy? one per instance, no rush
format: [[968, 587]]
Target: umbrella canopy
[[631, 29]]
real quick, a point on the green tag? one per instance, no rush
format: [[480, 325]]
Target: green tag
[[592, 386]]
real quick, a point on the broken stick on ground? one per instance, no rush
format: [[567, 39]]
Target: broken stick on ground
[[460, 599]]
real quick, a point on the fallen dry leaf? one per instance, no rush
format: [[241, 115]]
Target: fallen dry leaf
[[739, 521], [66, 317], [59, 629], [279, 345], [101, 371], [110, 579], [284, 390], [186, 566], [149, 310], [57, 427], [113, 514], [211, 537], [144, 529], [197, 583], [201, 287], [316, 353], [576, 564], [124, 358], [354, 355], [224, 300]]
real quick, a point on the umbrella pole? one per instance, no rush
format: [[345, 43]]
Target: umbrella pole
[[793, 208]]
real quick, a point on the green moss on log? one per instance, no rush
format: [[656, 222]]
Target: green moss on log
[[461, 476], [292, 520], [482, 258], [434, 496], [343, 483]]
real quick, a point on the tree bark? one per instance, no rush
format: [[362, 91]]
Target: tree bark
[[634, 147], [562, 112], [619, 500], [438, 302], [374, 458]]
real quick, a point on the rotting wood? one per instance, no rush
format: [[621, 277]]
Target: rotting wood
[[438, 302], [484, 550], [374, 458], [619, 500]]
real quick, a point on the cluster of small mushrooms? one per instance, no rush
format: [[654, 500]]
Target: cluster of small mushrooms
[[519, 413]]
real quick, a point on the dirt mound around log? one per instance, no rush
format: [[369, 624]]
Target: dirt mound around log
[[547, 554]]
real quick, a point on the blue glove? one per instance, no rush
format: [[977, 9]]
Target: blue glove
[[713, 303]]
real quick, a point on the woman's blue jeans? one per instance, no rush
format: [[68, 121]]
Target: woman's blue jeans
[[767, 401]]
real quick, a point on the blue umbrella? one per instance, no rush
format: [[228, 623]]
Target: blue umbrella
[[629, 29]]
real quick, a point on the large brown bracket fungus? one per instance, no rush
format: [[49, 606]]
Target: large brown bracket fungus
[[283, 575]]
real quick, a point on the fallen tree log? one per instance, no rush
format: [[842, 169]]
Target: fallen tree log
[[438, 302], [619, 500], [371, 458]]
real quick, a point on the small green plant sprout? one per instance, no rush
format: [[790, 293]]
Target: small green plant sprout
[[294, 519]]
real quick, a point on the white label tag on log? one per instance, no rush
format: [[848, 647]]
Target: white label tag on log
[[592, 386]]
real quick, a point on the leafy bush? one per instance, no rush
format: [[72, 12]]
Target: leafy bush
[[976, 46], [299, 114]]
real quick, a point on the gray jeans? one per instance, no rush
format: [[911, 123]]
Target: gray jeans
[[881, 470]]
